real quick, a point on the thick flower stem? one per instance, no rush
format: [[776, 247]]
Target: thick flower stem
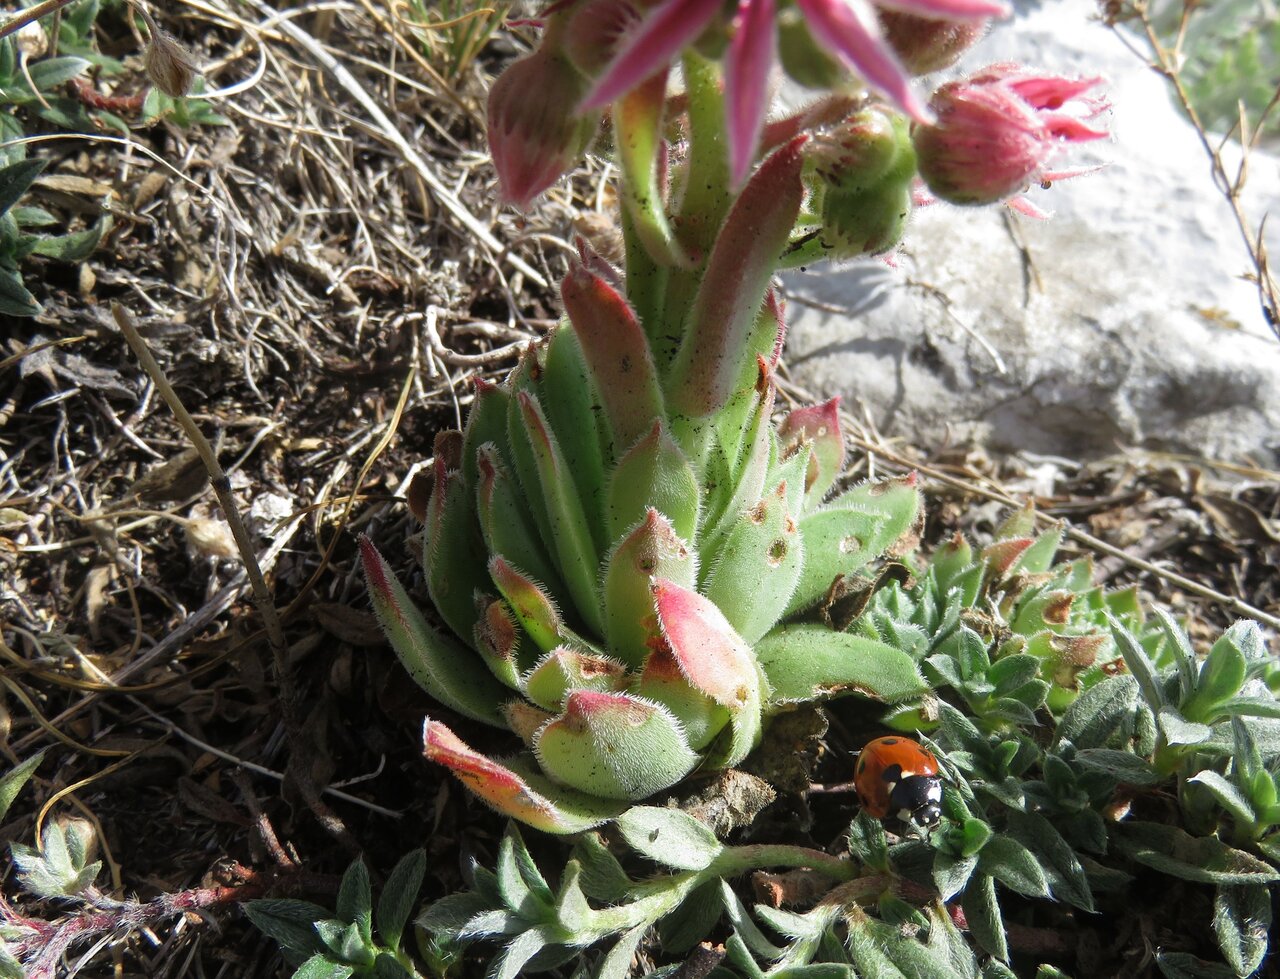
[[703, 199], [646, 282]]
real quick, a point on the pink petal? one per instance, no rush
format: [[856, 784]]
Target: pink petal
[[1063, 126], [1023, 205], [668, 30], [850, 29], [746, 83], [1049, 91], [948, 9]]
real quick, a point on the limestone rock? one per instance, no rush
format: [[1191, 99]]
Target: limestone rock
[[1124, 320]]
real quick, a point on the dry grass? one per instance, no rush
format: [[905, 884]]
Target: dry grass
[[321, 300]]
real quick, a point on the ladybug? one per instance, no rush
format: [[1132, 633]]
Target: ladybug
[[900, 777]]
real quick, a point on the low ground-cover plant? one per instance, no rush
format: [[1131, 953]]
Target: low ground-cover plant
[[55, 88]]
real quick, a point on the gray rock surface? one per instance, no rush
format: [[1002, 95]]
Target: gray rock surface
[[1125, 320]]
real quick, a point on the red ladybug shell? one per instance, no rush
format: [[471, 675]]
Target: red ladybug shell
[[897, 776]]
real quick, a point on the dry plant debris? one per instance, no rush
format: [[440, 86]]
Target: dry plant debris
[[321, 308]]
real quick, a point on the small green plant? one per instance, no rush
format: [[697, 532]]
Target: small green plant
[[1029, 815], [185, 111], [357, 939], [17, 240], [1230, 57], [454, 31]]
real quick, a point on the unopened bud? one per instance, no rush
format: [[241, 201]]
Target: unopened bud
[[536, 133], [595, 30], [169, 65], [863, 150], [925, 44], [865, 223], [32, 40], [804, 60]]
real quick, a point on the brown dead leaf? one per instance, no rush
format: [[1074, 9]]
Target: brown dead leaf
[[1236, 520], [205, 802], [351, 625], [67, 183], [179, 478]]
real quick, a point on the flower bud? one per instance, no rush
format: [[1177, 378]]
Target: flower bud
[[867, 222], [804, 60], [925, 44], [535, 133], [595, 30], [997, 132], [168, 64], [862, 151]]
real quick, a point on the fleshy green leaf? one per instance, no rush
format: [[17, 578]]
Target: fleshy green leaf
[[291, 923], [715, 355], [1199, 858], [669, 837], [982, 910], [652, 550], [851, 531], [13, 781], [442, 666], [570, 528], [614, 746], [1123, 766], [521, 794], [807, 662], [573, 409], [757, 567], [1013, 865], [1242, 922], [617, 352], [655, 474], [320, 966], [1101, 713], [399, 895]]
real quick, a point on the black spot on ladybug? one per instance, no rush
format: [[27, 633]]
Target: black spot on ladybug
[[892, 774], [862, 766], [888, 741]]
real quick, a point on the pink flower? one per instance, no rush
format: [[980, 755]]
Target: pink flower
[[848, 28], [998, 131]]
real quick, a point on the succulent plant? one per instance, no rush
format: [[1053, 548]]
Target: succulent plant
[[1005, 627], [651, 541]]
